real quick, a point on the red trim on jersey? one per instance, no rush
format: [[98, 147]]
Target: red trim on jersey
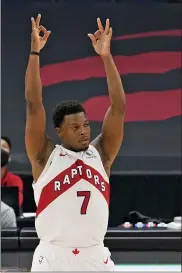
[[48, 194]]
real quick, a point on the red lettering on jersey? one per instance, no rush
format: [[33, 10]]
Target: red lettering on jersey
[[49, 194], [86, 195]]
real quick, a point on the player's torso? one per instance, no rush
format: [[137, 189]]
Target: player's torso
[[72, 197]]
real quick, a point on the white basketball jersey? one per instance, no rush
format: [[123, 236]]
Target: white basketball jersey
[[72, 198]]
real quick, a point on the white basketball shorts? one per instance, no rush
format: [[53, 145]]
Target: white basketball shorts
[[51, 257]]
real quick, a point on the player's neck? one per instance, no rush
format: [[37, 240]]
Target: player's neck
[[72, 149]]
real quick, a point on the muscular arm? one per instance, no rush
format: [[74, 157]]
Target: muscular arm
[[35, 134], [38, 145], [108, 143]]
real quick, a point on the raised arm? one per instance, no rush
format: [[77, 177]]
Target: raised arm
[[109, 141], [38, 145]]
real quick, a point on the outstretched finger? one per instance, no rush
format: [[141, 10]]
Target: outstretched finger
[[100, 26], [33, 23], [107, 26], [38, 20], [110, 32], [92, 38]]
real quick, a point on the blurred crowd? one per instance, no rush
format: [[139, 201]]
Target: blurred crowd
[[8, 179]]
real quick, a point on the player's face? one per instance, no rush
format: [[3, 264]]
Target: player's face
[[75, 132]]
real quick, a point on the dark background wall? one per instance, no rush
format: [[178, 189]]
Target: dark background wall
[[146, 45]]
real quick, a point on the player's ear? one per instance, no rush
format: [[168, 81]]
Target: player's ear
[[59, 131]]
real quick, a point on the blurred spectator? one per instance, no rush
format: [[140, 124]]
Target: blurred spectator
[[8, 218], [9, 179]]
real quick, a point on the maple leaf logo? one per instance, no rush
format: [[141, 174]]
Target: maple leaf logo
[[75, 251]]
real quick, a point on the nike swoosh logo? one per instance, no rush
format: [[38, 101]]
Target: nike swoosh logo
[[62, 155], [106, 261]]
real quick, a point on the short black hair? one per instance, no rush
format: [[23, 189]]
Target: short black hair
[[66, 108], [5, 138]]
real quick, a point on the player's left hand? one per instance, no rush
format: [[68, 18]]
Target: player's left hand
[[101, 39]]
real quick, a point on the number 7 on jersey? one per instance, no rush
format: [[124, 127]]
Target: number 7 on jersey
[[86, 195]]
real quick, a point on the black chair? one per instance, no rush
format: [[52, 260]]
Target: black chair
[[9, 195], [9, 239]]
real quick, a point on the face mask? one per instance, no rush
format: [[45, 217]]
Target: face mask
[[4, 158]]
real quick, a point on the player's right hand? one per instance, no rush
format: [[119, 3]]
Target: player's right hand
[[37, 41]]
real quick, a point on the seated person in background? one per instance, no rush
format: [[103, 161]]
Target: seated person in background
[[8, 218], [9, 179]]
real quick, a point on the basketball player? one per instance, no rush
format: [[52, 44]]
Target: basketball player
[[71, 180]]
